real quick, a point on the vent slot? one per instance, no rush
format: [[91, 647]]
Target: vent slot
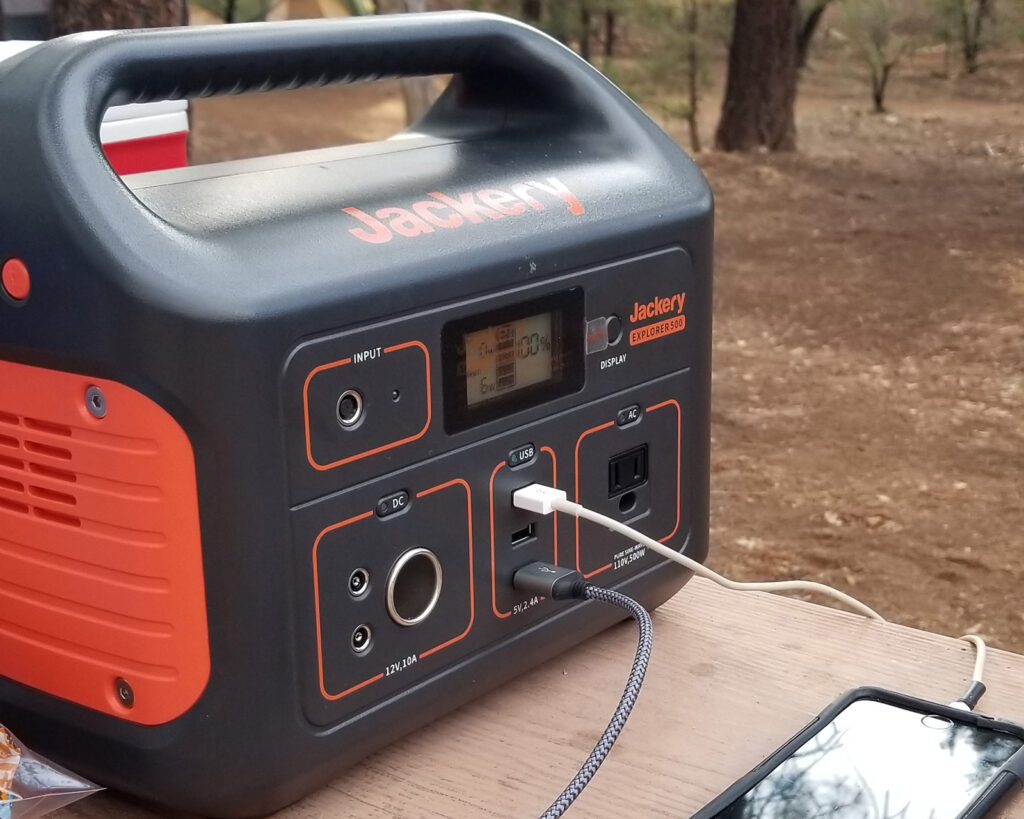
[[48, 494], [57, 517], [7, 440], [11, 486], [11, 463], [47, 450], [13, 506], [7, 418], [46, 426], [50, 472]]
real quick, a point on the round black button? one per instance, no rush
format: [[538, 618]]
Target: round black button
[[614, 327]]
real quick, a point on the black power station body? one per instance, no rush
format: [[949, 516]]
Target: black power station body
[[261, 421]]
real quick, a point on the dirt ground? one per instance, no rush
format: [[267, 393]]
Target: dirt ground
[[868, 422]]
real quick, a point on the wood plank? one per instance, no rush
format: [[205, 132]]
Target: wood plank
[[733, 675]]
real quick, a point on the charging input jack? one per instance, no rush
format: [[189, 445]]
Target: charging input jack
[[350, 408], [413, 587]]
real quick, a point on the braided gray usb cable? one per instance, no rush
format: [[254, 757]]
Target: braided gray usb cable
[[629, 695]]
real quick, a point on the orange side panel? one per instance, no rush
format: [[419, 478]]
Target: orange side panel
[[101, 572]]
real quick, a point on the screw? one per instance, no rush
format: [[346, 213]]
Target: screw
[[96, 402], [125, 694]]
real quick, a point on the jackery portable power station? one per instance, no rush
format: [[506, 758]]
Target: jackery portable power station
[[261, 421]]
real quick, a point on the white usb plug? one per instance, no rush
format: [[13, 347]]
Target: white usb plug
[[538, 498]]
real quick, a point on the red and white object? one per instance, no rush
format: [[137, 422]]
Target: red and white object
[[137, 138]]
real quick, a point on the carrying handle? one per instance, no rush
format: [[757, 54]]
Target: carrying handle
[[495, 55], [508, 75]]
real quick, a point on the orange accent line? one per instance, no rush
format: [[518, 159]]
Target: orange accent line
[[597, 571], [383, 448], [494, 590], [316, 602], [679, 460], [494, 581], [576, 465], [355, 687], [554, 482], [469, 531]]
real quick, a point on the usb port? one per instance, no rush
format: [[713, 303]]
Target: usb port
[[520, 536]]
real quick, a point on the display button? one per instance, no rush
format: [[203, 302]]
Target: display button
[[521, 455], [627, 415], [614, 329], [392, 504]]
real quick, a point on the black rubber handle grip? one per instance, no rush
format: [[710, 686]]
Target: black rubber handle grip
[[101, 70]]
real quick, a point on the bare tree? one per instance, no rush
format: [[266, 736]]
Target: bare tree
[[693, 68], [760, 93], [69, 16], [973, 14], [869, 25]]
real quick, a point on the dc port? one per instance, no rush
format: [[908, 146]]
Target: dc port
[[358, 583], [350, 408], [361, 639]]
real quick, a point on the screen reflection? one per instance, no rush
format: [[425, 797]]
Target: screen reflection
[[878, 761]]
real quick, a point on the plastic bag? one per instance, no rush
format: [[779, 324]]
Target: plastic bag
[[31, 786]]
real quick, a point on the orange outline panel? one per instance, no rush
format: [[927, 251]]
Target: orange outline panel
[[358, 456], [554, 482], [316, 588], [679, 465], [576, 466], [469, 534]]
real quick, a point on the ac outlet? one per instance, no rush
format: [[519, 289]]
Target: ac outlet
[[627, 471], [630, 473]]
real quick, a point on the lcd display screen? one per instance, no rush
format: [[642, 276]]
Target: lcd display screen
[[507, 357], [512, 357]]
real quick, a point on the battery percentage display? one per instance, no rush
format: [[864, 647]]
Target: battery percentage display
[[508, 357]]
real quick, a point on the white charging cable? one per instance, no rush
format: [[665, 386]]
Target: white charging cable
[[543, 500]]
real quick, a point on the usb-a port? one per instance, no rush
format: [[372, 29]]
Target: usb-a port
[[528, 532]]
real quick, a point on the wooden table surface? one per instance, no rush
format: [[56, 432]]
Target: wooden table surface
[[733, 675]]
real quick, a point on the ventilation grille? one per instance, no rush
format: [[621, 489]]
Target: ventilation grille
[[101, 579]]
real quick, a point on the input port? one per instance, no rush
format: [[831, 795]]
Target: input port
[[350, 408], [414, 585], [362, 636], [358, 582]]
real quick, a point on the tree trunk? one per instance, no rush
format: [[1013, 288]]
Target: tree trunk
[[419, 93], [760, 92], [971, 31], [693, 70], [609, 33], [879, 81], [807, 29], [530, 11], [585, 31], [69, 16]]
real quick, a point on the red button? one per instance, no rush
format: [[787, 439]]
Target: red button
[[16, 280]]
